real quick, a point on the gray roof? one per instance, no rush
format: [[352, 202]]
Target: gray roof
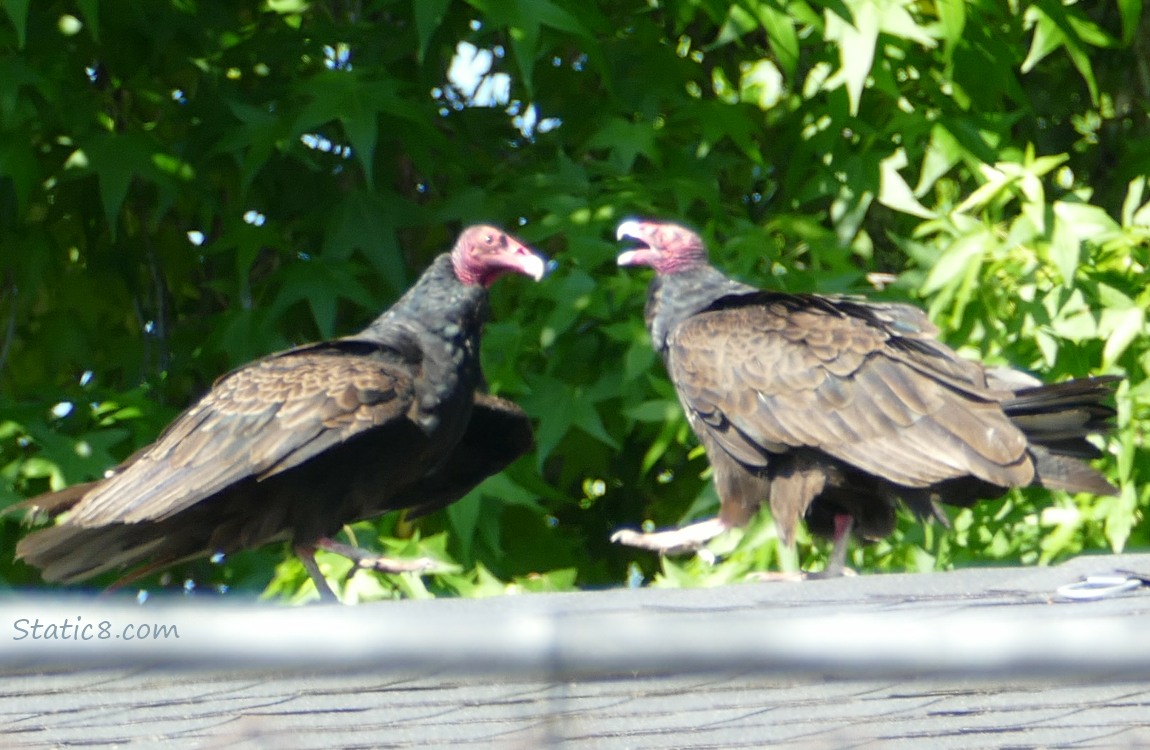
[[977, 658]]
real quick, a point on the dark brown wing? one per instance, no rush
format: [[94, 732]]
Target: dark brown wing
[[498, 432], [767, 378], [255, 423]]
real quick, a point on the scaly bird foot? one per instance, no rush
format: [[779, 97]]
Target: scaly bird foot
[[365, 560], [672, 541]]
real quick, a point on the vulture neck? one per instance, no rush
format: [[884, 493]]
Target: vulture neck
[[439, 304], [674, 297], [436, 326]]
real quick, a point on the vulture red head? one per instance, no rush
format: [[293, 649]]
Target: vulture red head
[[663, 246], [484, 253]]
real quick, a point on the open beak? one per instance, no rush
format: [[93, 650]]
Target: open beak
[[632, 230]]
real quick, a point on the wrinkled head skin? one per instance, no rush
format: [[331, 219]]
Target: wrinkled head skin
[[663, 246], [484, 253]]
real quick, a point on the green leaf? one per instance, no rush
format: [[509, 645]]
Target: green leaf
[[17, 11], [655, 411], [856, 44], [1133, 202], [90, 10], [848, 211], [723, 121], [894, 192], [1090, 222], [626, 140], [952, 21], [1122, 321], [356, 102], [116, 160], [996, 181], [555, 16], [523, 20], [781, 33], [478, 514], [1072, 318], [1120, 518], [321, 283], [640, 358], [1054, 28], [673, 430], [428, 17], [761, 84], [956, 261], [173, 166], [1043, 165], [1129, 434], [1083, 29], [1131, 12], [561, 579], [1065, 249], [19, 165], [942, 153], [576, 289], [1047, 346], [466, 516], [1047, 38], [896, 20], [566, 407], [1074, 224], [367, 222], [739, 21]]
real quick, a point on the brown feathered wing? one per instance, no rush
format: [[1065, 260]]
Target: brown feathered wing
[[199, 487], [255, 422], [790, 383]]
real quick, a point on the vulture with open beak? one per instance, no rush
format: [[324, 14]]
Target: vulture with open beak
[[833, 409], [293, 446]]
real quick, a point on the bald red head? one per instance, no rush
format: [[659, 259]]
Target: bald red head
[[484, 253], [663, 246]]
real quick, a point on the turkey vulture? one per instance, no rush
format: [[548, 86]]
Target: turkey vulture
[[294, 445], [831, 409]]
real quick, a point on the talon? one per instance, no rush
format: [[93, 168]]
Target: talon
[[391, 565], [672, 541]]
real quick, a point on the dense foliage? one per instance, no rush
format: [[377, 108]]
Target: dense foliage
[[185, 186]]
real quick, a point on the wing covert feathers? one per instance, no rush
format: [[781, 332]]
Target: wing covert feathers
[[256, 422], [784, 379]]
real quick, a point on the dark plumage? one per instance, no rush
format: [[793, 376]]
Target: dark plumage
[[832, 408], [294, 445]]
